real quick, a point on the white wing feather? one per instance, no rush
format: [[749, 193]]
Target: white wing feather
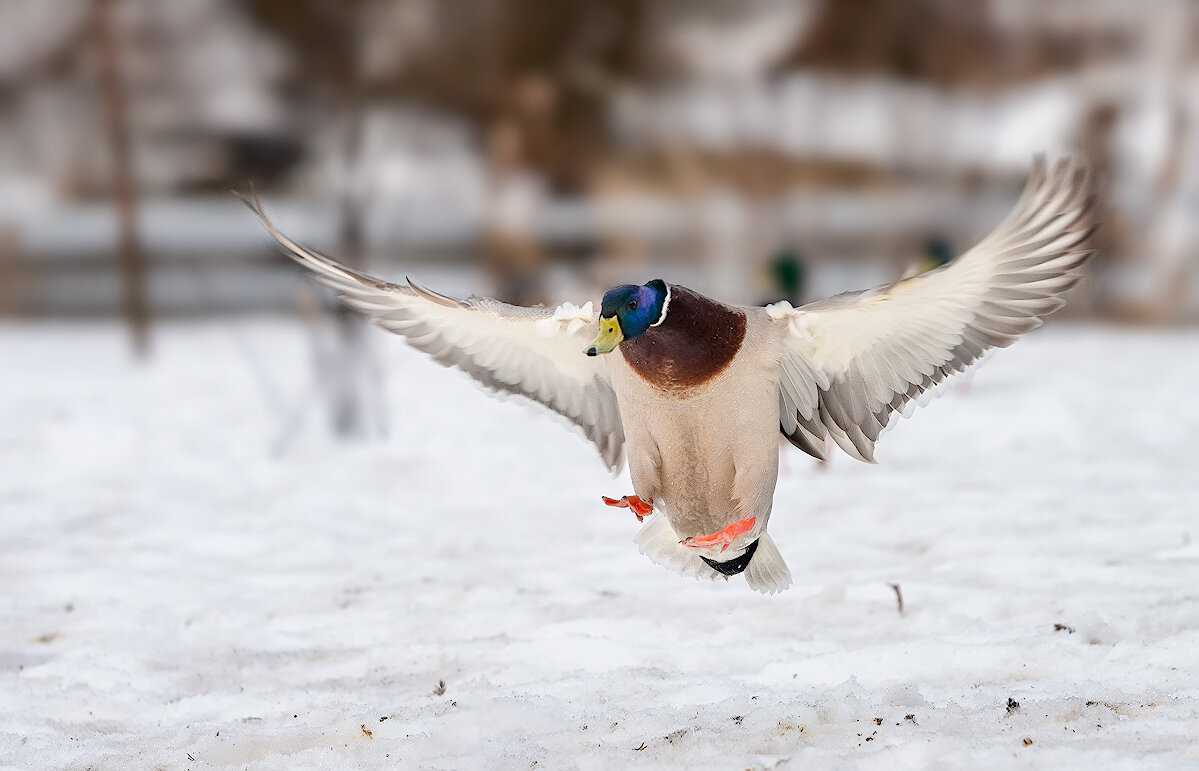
[[851, 362], [534, 352]]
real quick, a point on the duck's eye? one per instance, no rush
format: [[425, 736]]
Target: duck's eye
[[632, 305]]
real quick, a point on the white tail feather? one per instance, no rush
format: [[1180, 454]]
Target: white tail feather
[[767, 572], [657, 540]]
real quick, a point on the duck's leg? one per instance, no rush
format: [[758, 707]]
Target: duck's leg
[[640, 508], [722, 537]]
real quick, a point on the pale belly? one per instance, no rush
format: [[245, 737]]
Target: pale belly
[[709, 456]]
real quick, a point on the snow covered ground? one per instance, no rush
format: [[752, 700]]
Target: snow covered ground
[[173, 596]]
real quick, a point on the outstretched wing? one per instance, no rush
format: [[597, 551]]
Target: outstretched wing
[[533, 352], [852, 361]]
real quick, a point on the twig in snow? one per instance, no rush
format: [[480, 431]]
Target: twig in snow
[[898, 596]]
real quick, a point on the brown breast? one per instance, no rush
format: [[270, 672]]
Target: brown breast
[[696, 342]]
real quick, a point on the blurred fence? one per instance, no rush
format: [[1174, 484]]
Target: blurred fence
[[535, 147]]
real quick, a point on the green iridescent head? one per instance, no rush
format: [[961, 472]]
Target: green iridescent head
[[628, 311]]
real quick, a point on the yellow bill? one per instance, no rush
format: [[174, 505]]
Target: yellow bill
[[608, 338]]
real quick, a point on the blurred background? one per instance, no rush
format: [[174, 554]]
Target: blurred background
[[541, 150]]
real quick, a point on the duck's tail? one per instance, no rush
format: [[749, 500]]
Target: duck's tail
[[657, 540], [767, 572]]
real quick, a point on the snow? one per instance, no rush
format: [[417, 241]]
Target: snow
[[173, 592]]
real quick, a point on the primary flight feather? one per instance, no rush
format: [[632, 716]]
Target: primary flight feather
[[693, 392]]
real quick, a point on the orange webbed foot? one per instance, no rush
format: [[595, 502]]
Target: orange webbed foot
[[640, 508], [722, 537]]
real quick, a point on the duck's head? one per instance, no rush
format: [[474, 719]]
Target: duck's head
[[628, 311]]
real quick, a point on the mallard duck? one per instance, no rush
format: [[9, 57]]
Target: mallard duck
[[694, 392]]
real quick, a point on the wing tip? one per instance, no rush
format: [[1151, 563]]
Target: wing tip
[[253, 202]]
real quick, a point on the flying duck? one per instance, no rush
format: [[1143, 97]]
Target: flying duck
[[694, 392]]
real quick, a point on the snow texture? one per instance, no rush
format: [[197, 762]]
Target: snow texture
[[173, 596]]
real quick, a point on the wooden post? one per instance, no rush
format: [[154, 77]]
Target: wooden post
[[129, 253]]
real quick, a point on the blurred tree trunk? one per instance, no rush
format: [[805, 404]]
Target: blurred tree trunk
[[330, 34], [129, 252], [354, 376]]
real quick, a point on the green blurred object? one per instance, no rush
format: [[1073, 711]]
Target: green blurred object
[[936, 254], [788, 276]]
